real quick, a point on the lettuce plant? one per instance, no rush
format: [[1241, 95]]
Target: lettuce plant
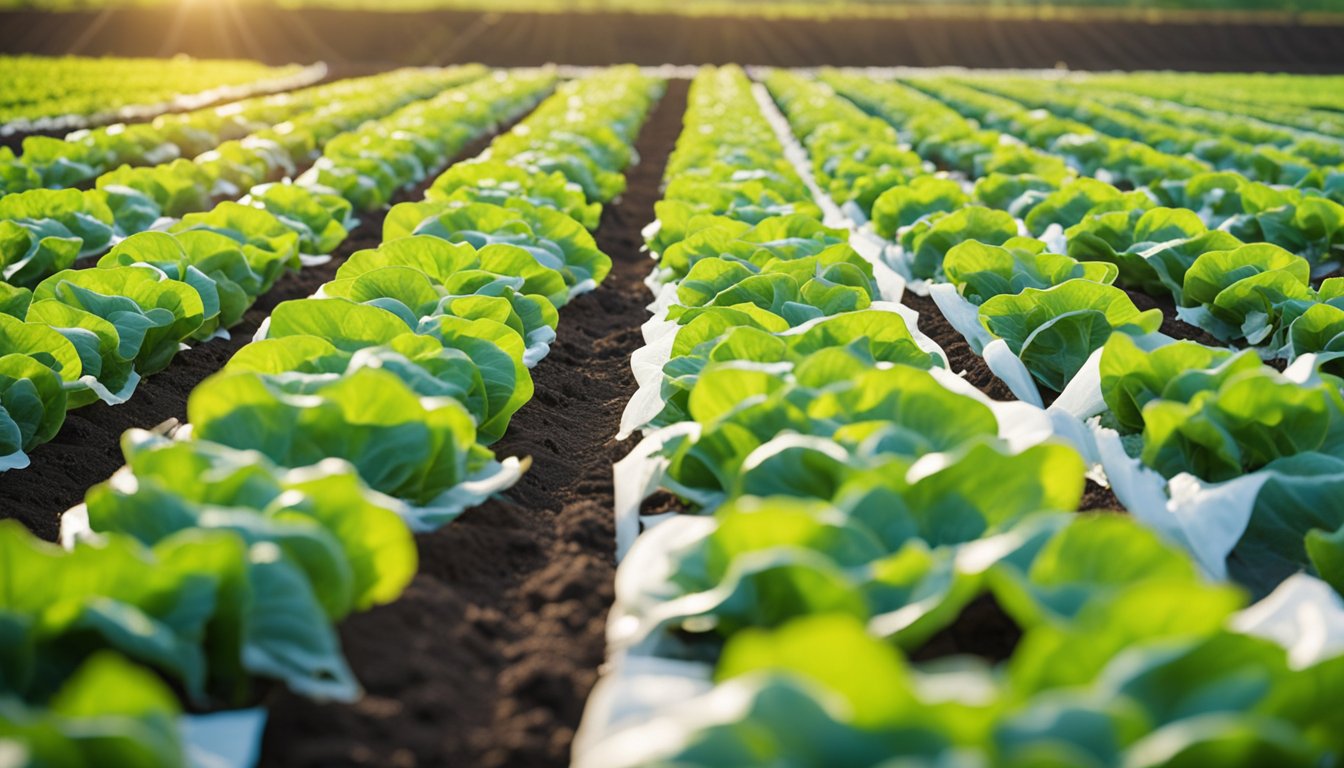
[[1070, 203], [348, 542], [554, 239], [322, 220], [982, 271], [497, 182], [903, 205], [136, 313], [33, 403], [1250, 293], [270, 246], [43, 231], [108, 711], [403, 445], [1055, 330], [209, 262], [928, 241], [1152, 247]]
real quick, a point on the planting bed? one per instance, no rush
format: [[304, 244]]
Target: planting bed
[[87, 449], [969, 418], [488, 657]]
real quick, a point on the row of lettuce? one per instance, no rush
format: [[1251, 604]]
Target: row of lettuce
[[88, 334], [290, 126], [45, 93], [1296, 102], [1266, 150], [43, 231], [1216, 448], [226, 553], [848, 500], [1242, 276]]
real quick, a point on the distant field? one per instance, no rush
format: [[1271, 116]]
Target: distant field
[[354, 41], [1309, 11]]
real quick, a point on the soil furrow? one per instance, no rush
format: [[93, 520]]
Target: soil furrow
[[488, 657]]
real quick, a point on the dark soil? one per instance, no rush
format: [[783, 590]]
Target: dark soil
[[487, 658], [960, 356], [662, 502], [1170, 324], [1096, 498], [981, 629], [87, 449], [15, 140], [356, 40]]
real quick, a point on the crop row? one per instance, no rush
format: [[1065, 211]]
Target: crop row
[[1305, 103], [1196, 241], [49, 94], [1305, 219], [44, 231], [850, 508], [291, 123], [1273, 153], [1220, 451], [90, 334], [355, 417], [1078, 118]]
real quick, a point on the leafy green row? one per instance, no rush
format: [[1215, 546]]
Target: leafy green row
[[1017, 178], [855, 156], [564, 137], [774, 363], [1090, 220], [847, 481], [52, 88], [92, 333], [1276, 100], [1178, 408], [559, 158], [452, 310], [1259, 162], [88, 334], [262, 524], [368, 165], [44, 231], [747, 180], [1201, 131], [1303, 219], [85, 155], [211, 567], [235, 166]]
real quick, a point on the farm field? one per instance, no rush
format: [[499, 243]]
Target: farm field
[[522, 394]]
